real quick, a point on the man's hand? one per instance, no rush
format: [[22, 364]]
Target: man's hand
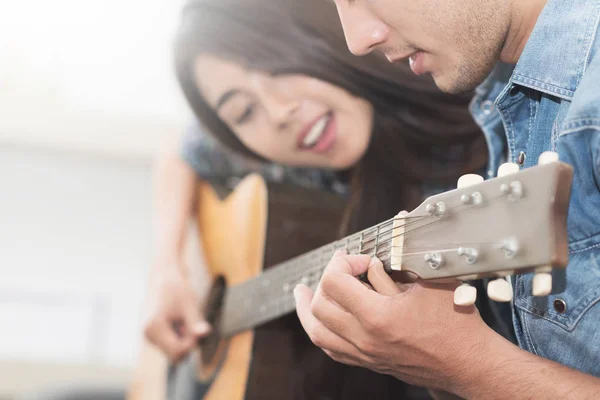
[[410, 331], [174, 323]]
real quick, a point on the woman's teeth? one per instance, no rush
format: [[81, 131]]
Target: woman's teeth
[[316, 132]]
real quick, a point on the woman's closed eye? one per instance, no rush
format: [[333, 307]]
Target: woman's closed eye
[[245, 115], [238, 111]]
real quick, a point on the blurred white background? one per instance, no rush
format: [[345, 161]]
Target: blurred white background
[[87, 95]]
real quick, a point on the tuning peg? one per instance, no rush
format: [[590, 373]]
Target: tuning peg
[[465, 295], [548, 157], [468, 180], [500, 290], [542, 284], [507, 169]]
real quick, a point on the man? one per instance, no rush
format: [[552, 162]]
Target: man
[[542, 92]]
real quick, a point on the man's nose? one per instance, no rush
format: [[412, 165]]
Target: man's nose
[[363, 31]]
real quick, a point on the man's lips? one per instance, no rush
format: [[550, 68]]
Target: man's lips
[[416, 61], [399, 58]]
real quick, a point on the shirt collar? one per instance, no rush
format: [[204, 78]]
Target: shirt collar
[[558, 50]]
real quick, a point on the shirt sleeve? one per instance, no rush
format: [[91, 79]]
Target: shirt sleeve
[[208, 158]]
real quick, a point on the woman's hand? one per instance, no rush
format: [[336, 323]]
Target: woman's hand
[[175, 322]]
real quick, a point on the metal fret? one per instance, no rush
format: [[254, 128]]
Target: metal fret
[[256, 301], [376, 241], [360, 243]]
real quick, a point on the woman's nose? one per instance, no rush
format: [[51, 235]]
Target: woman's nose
[[280, 103], [282, 111]]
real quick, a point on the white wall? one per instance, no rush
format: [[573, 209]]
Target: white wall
[[87, 97], [75, 235], [95, 76]]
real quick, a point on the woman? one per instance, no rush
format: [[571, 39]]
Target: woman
[[273, 81], [296, 47]]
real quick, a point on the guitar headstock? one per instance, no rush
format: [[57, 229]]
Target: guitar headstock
[[514, 223]]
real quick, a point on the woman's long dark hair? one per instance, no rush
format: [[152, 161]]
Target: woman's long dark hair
[[420, 135]]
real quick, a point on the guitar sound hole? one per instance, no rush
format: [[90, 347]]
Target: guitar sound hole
[[210, 344]]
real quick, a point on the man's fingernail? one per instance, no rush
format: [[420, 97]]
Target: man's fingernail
[[374, 261], [339, 253]]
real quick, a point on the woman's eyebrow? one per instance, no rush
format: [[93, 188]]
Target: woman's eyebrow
[[225, 97]]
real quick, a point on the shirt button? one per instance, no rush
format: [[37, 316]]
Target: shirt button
[[521, 158], [560, 306], [487, 107]]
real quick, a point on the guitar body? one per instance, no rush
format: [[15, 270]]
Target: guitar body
[[233, 235], [248, 229]]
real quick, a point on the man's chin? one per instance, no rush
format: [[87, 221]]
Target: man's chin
[[453, 85]]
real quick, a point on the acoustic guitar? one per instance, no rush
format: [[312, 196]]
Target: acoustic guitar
[[515, 223], [291, 220]]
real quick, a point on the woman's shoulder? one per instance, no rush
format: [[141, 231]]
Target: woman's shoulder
[[210, 159]]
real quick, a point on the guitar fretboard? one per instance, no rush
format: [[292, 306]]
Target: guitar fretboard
[[270, 295]]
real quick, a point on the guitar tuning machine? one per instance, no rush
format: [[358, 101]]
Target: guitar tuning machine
[[475, 199], [435, 260], [470, 254], [514, 190], [438, 209], [542, 281], [510, 247], [500, 290], [465, 295]]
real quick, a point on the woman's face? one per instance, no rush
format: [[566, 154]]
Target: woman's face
[[291, 119]]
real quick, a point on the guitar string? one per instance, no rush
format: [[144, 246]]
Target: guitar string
[[366, 251], [467, 207], [319, 253], [312, 278], [276, 306], [309, 259]]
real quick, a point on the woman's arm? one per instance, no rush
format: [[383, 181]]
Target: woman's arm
[[174, 323], [174, 194]]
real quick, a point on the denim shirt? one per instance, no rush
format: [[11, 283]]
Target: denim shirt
[[551, 101]]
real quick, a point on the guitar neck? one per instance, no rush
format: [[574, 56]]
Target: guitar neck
[[270, 295]]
